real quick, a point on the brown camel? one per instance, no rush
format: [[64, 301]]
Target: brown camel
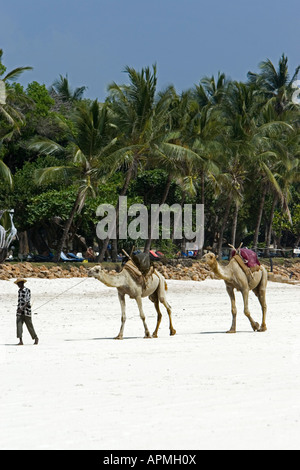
[[155, 288], [235, 278]]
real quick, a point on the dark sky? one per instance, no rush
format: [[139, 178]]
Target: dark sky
[[93, 40]]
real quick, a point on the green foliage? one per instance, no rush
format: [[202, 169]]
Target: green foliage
[[168, 248], [39, 94], [223, 143], [49, 204]]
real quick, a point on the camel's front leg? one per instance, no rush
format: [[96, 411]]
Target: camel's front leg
[[142, 315], [231, 294], [254, 325], [123, 317]]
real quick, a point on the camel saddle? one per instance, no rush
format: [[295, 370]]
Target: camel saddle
[[247, 260], [139, 267], [142, 261]]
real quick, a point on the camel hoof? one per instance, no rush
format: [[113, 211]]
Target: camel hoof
[[147, 336], [255, 327], [262, 328], [231, 331], [118, 337], [154, 335], [172, 332]]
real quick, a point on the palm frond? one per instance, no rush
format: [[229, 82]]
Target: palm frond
[[14, 74], [5, 173], [45, 146], [53, 174]]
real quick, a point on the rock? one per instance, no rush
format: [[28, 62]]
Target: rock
[[183, 270]]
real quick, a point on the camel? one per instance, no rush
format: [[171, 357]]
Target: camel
[[154, 288], [235, 278]]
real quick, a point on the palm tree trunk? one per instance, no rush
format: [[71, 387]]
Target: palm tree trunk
[[3, 254], [234, 224], [259, 218], [114, 250], [123, 192], [223, 227], [164, 198], [67, 228], [269, 232]]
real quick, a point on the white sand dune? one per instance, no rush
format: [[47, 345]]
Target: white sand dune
[[201, 389]]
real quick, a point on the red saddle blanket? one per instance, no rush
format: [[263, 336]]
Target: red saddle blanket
[[250, 257]]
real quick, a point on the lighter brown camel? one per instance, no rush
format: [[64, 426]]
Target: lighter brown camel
[[235, 278], [155, 289]]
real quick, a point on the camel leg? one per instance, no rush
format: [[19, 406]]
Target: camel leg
[[123, 317], [142, 315], [159, 316], [245, 294], [162, 299], [168, 308], [231, 294], [260, 292]]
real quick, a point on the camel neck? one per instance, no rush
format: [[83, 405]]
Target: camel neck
[[110, 280], [220, 272]]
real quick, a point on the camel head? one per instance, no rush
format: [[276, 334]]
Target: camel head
[[209, 258], [93, 272]]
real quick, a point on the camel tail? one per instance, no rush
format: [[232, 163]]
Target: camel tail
[[166, 286]]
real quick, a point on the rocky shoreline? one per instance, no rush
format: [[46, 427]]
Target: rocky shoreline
[[184, 270]]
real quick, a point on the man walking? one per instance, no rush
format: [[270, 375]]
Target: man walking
[[24, 312]]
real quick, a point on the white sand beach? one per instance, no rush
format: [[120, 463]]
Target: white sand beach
[[201, 389]]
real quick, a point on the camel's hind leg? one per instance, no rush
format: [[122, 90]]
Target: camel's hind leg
[[156, 300], [159, 316], [260, 292], [245, 294], [168, 307], [162, 298]]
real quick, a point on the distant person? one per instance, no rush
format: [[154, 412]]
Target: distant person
[[90, 254], [24, 312]]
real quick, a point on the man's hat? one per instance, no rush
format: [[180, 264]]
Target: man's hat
[[20, 280]]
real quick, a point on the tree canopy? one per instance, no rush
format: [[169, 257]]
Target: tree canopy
[[232, 146]]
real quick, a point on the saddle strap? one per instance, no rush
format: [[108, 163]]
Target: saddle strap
[[244, 267], [134, 272], [137, 275]]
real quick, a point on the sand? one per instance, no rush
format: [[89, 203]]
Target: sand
[[201, 389]]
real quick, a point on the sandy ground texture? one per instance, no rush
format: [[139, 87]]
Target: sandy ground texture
[[200, 389]]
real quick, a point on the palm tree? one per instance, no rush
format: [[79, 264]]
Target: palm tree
[[238, 108], [142, 118], [286, 174], [252, 130], [210, 92], [207, 126], [61, 87], [275, 84], [9, 103], [89, 140], [274, 89], [5, 173]]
